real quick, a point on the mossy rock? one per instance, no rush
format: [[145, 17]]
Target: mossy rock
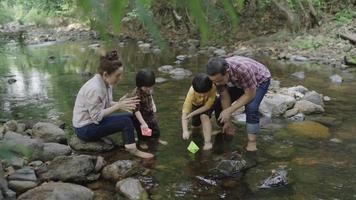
[[309, 129], [281, 151]]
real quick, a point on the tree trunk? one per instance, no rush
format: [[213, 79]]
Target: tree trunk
[[292, 21]]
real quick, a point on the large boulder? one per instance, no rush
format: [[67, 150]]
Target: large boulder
[[131, 188], [76, 168], [48, 132], [314, 97], [58, 191], [23, 145], [308, 107], [52, 150], [80, 145], [120, 169], [276, 104]]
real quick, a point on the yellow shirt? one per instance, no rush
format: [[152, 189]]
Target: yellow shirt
[[193, 98]]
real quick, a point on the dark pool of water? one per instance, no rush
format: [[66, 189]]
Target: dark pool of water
[[49, 76]]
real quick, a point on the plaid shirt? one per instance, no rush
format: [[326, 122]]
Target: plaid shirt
[[246, 73]]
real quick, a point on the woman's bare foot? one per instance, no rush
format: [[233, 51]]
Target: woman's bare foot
[[132, 149], [207, 146]]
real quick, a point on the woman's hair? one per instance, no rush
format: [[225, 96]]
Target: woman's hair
[[109, 63], [216, 66], [201, 83], [145, 78]]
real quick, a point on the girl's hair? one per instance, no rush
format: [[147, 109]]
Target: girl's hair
[[109, 63], [201, 83], [145, 78]]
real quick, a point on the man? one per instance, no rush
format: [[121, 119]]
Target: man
[[240, 81]]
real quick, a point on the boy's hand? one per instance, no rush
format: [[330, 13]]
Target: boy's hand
[[186, 135]]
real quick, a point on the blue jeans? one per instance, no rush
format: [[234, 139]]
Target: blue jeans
[[251, 109], [109, 125]]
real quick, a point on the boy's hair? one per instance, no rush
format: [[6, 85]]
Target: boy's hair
[[216, 66], [145, 78], [201, 83]]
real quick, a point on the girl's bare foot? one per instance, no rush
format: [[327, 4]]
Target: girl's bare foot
[[207, 146], [162, 142]]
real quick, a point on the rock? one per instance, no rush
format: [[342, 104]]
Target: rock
[[52, 150], [181, 57], [314, 97], [70, 168], [48, 132], [309, 129], [299, 88], [298, 75], [131, 188], [274, 85], [21, 186], [298, 58], [336, 78], [58, 191], [308, 107], [324, 120], [193, 42], [180, 73], [160, 80], [24, 174], [10, 126], [100, 163], [120, 169], [94, 46], [5, 192], [166, 68], [16, 162], [297, 118], [220, 52], [336, 140], [276, 104], [145, 47], [326, 98], [21, 128], [11, 81], [211, 49], [80, 145], [350, 60], [31, 148], [12, 135], [156, 51]]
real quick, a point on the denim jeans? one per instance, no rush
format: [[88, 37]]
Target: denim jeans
[[251, 109], [109, 125]]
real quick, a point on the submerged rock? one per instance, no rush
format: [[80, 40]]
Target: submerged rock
[[336, 78], [166, 68], [180, 73], [309, 129], [278, 178], [58, 191], [298, 75], [131, 188]]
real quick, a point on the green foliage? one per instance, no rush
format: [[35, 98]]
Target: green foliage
[[345, 16], [309, 42]]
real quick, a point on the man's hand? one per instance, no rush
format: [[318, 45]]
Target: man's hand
[[228, 128], [225, 116]]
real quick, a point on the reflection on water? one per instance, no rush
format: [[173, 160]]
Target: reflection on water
[[49, 77]]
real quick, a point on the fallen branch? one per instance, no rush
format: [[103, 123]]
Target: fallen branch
[[348, 36]]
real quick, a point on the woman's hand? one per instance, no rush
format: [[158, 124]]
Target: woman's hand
[[127, 103]]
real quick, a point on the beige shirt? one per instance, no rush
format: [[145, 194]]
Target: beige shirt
[[92, 99]]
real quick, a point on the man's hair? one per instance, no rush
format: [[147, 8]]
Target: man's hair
[[216, 66], [109, 63], [201, 83], [145, 78]]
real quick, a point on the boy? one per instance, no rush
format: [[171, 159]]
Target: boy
[[197, 105], [144, 118]]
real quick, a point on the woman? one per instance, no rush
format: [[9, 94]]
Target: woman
[[92, 114]]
